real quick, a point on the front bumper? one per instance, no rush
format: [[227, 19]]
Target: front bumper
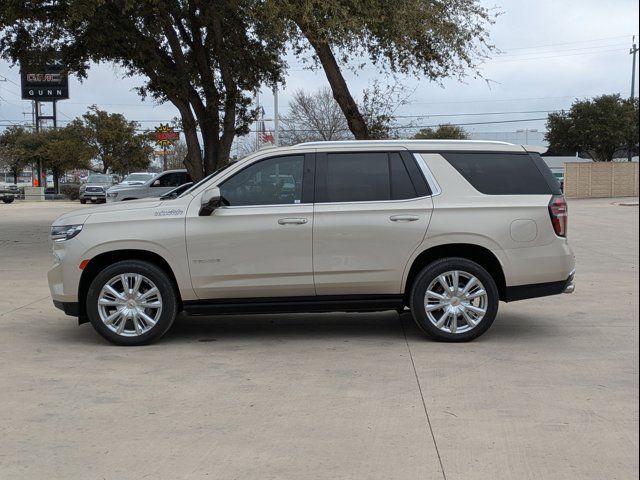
[[93, 196]]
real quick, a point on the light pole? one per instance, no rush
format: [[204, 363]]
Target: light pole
[[633, 51]]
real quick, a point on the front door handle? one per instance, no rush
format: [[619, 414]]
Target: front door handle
[[292, 221], [404, 218]]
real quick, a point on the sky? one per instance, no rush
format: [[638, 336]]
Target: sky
[[552, 52]]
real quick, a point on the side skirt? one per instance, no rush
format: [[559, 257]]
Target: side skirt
[[328, 303]]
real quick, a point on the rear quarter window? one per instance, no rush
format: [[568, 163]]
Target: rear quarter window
[[500, 173]]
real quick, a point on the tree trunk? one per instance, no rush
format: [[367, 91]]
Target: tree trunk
[[355, 120], [15, 177]]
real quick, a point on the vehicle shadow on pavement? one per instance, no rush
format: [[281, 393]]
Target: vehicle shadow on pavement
[[379, 326]]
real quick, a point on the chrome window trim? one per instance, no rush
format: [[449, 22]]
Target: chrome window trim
[[366, 202], [428, 175], [271, 205]]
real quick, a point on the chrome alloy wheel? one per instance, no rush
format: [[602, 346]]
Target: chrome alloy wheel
[[456, 302], [129, 304]]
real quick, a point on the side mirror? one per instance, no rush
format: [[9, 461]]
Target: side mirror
[[156, 183], [210, 200]]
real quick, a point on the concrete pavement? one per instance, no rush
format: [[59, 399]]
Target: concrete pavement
[[550, 392]]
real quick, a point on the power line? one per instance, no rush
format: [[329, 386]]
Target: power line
[[552, 56], [427, 115], [591, 47], [570, 43]]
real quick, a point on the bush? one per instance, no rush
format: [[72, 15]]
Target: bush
[[70, 190]]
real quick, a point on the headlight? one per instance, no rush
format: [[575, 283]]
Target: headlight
[[112, 194], [61, 233], [82, 187]]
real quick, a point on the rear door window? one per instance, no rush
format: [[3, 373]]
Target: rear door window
[[357, 177], [497, 173], [367, 177]]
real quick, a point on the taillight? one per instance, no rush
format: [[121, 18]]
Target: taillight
[[559, 213]]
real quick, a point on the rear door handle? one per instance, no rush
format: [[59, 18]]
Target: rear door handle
[[292, 221], [404, 218]]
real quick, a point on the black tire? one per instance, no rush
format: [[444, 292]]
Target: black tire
[[431, 272], [162, 282], [8, 200], [83, 201]]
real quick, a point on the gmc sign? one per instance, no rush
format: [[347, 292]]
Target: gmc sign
[[47, 86]]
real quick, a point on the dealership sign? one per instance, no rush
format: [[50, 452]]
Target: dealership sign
[[45, 86], [166, 135]]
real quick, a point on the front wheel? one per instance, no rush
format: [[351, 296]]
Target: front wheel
[[7, 199], [132, 303], [454, 300]]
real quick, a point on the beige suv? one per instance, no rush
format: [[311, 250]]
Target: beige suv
[[445, 229]]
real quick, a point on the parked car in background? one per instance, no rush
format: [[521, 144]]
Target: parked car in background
[[447, 229], [154, 187], [95, 190], [171, 194], [137, 178], [8, 192]]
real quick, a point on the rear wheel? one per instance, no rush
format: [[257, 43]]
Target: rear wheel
[[454, 300], [7, 199], [132, 303]]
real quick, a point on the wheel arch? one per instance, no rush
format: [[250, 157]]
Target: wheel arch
[[476, 253], [99, 262]]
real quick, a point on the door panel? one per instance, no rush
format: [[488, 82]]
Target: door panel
[[362, 248], [245, 252]]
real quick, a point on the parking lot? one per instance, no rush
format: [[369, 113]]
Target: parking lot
[[550, 392]]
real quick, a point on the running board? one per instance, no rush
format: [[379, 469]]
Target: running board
[[328, 303]]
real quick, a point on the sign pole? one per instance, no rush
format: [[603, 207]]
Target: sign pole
[[164, 159], [39, 166]]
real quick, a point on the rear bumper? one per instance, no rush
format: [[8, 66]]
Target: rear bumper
[[535, 290]]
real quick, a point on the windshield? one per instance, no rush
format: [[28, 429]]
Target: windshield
[[206, 179], [138, 177], [99, 179]]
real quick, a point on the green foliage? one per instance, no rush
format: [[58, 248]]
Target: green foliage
[[600, 127], [64, 149], [442, 132], [113, 141], [59, 150]]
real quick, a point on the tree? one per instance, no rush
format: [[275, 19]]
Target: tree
[[601, 127], [432, 39], [59, 149], [114, 141], [11, 155], [205, 57], [445, 131], [313, 116], [64, 149]]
